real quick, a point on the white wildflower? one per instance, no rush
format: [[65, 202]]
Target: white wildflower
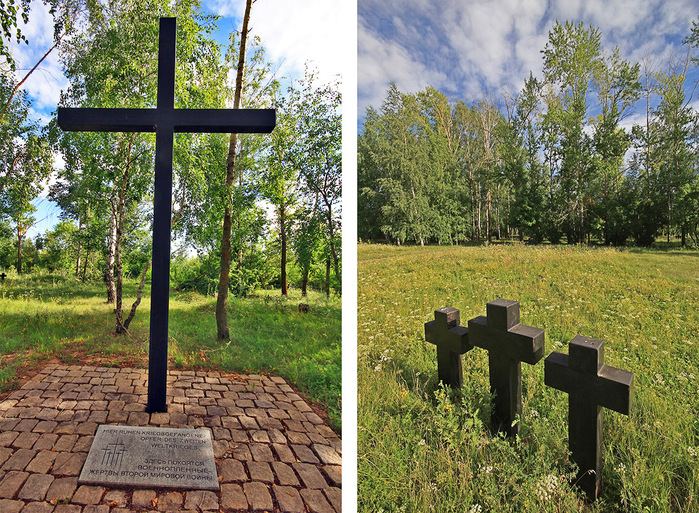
[[476, 508]]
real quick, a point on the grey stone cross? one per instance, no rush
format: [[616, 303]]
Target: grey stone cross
[[451, 340], [590, 385], [508, 344]]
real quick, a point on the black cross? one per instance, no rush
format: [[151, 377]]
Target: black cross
[[451, 341], [508, 344], [590, 385], [164, 120], [3, 276]]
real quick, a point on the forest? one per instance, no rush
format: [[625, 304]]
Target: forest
[[599, 150], [248, 210]]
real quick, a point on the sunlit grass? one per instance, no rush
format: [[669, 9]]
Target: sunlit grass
[[421, 449], [44, 317]]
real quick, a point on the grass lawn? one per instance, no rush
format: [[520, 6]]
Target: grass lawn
[[44, 317], [423, 448]]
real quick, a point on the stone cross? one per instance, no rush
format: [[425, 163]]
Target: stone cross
[[164, 120], [451, 340], [590, 385], [508, 344]]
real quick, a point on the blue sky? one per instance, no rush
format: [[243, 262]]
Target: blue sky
[[470, 48], [290, 35]]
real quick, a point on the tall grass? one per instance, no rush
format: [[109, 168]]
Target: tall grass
[[44, 317], [423, 448]]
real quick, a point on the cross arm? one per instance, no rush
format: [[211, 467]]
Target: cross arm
[[611, 388], [520, 342], [457, 341], [106, 120], [239, 121]]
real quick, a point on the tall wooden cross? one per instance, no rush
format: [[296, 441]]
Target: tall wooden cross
[[508, 344], [164, 120], [590, 385], [451, 340]]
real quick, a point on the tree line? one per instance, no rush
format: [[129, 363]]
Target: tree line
[[221, 183], [552, 162]]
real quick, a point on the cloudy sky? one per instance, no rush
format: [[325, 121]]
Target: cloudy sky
[[291, 36], [465, 48]]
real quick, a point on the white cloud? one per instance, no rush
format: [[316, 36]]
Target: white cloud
[[293, 33], [383, 62]]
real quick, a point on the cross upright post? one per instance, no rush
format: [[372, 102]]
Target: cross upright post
[[165, 121], [590, 385], [508, 344], [451, 340]]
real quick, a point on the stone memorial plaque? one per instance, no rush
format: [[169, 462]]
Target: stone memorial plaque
[[145, 457]]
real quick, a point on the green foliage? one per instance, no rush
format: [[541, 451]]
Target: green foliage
[[425, 448]]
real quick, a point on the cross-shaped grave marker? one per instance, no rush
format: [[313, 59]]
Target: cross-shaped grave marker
[[590, 385], [164, 120], [451, 340], [3, 276], [508, 344]]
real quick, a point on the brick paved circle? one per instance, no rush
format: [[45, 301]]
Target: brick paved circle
[[271, 449]]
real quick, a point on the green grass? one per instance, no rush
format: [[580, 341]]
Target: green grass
[[44, 317], [421, 448]]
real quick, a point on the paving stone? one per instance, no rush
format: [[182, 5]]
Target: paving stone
[[284, 453], [170, 501], [310, 475], [65, 443], [19, 460], [144, 499], [86, 428], [115, 499], [68, 464], [239, 436], [87, 494], [37, 507], [261, 452], [231, 470], [316, 501], [334, 496], [5, 454], [45, 442], [260, 471], [45, 426], [305, 454], [258, 496], [11, 483], [289, 499], [334, 474], [233, 498], [67, 508], [248, 422], [62, 489], [285, 474], [7, 437], [25, 440], [327, 454], [102, 508], [220, 448], [26, 425], [9, 506], [160, 419], [242, 453], [201, 500], [83, 444], [35, 487], [259, 436]]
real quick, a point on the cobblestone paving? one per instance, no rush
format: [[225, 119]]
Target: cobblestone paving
[[273, 453]]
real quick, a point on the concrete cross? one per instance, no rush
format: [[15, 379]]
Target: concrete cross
[[590, 385], [451, 340], [508, 344], [164, 120]]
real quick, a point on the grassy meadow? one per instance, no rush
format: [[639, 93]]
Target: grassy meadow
[[44, 317], [423, 448]]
